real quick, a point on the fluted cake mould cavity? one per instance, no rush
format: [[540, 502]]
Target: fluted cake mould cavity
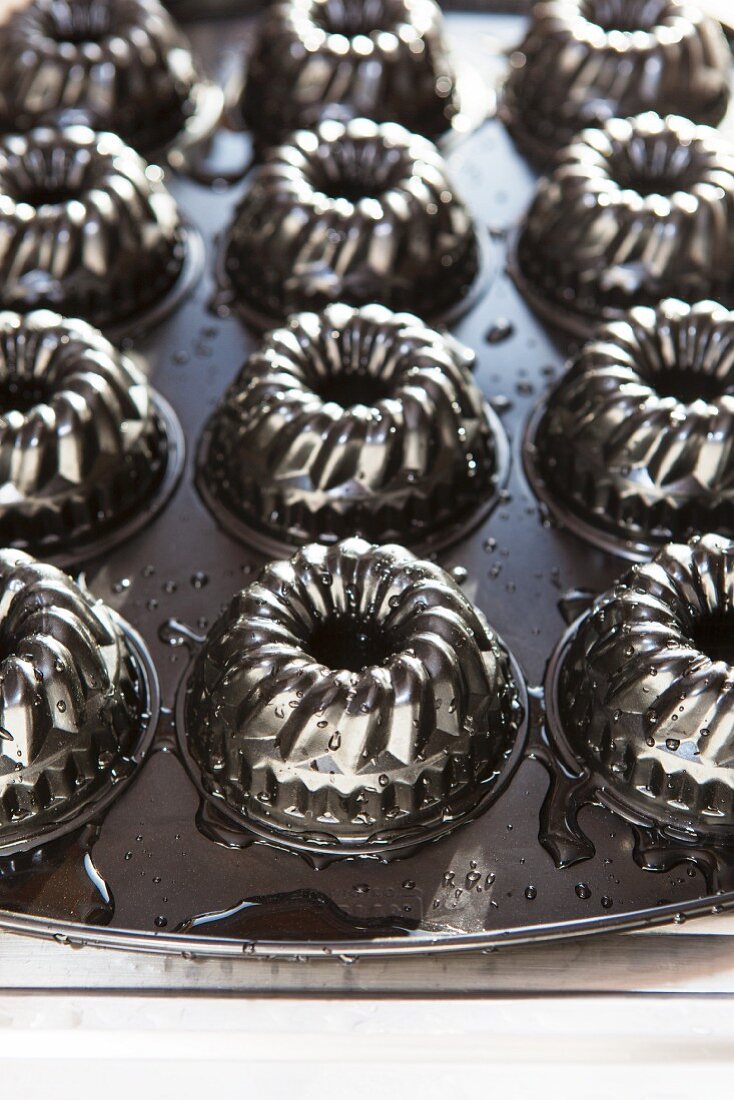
[[353, 421], [584, 62], [638, 210], [89, 228], [352, 212], [350, 698], [382, 59], [632, 447], [88, 450], [76, 700], [641, 691], [116, 65]]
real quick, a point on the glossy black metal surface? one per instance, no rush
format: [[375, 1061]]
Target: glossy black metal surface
[[182, 877]]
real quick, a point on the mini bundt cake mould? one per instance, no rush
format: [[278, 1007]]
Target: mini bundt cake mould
[[353, 422], [89, 452], [639, 210], [354, 213], [584, 62], [89, 229], [640, 692], [387, 60], [632, 448], [351, 699], [115, 65], [78, 703]]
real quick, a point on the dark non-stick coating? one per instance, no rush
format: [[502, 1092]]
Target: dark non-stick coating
[[160, 871]]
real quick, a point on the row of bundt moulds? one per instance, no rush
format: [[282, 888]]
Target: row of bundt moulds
[[585, 62], [387, 60], [121, 66], [350, 421], [352, 213], [352, 700]]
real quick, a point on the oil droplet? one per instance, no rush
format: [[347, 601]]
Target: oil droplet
[[199, 580], [583, 891], [501, 330], [531, 893]]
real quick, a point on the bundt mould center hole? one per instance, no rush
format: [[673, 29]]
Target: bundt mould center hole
[[349, 390], [21, 395], [344, 642], [688, 386], [662, 169], [45, 181], [50, 195], [355, 170], [626, 16], [77, 22], [713, 635], [357, 17]]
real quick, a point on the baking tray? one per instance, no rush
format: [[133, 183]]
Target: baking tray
[[159, 872]]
